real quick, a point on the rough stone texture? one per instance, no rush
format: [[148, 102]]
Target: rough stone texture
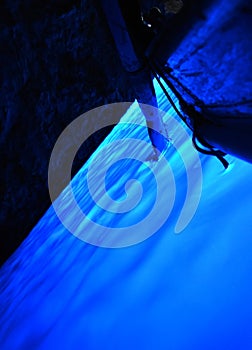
[[214, 61], [58, 60]]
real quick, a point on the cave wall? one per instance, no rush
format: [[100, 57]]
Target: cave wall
[[58, 60]]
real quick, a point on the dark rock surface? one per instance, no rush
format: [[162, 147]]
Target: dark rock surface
[[214, 62], [58, 60]]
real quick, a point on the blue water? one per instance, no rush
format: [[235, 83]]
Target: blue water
[[172, 291]]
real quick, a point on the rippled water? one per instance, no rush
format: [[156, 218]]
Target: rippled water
[[172, 291]]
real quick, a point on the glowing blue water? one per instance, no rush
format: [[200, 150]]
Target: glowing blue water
[[186, 291]]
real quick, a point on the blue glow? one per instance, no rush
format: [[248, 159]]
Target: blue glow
[[179, 291], [189, 291]]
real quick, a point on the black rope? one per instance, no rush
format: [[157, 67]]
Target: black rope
[[168, 71], [219, 154], [158, 68], [195, 138], [167, 94]]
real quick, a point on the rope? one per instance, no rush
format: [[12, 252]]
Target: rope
[[195, 138]]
